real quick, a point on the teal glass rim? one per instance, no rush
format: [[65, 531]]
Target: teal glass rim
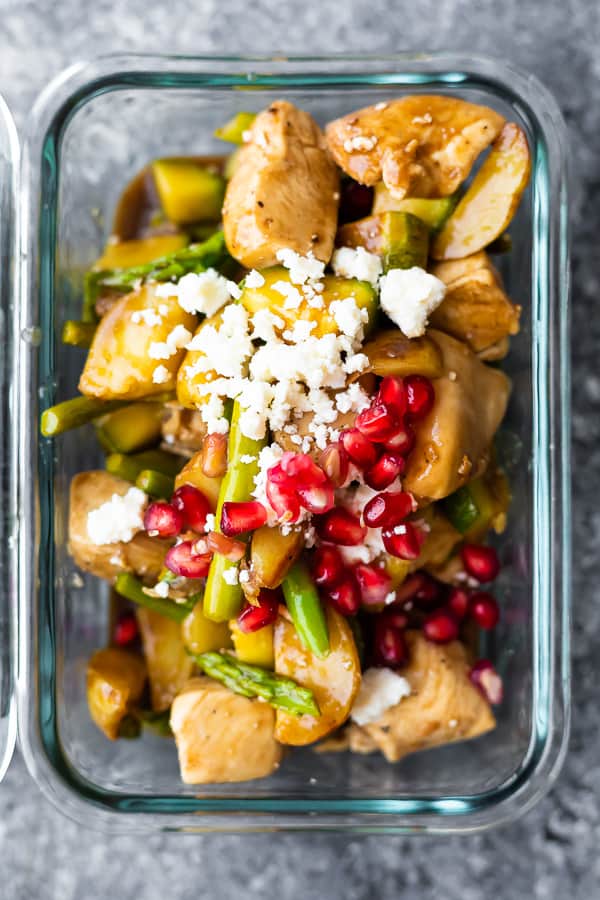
[[550, 441]]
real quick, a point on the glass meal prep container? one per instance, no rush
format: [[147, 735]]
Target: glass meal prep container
[[92, 130]]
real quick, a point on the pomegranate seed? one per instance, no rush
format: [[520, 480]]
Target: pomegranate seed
[[239, 517], [328, 566], [341, 527], [428, 592], [480, 562], [440, 627], [392, 393], [394, 619], [458, 602], [281, 494], [484, 676], [126, 629], [193, 505], [214, 455], [389, 509], [161, 519], [356, 201], [317, 499], [484, 609], [402, 441], [360, 450], [390, 646], [224, 546], [385, 471], [183, 560], [409, 587], [345, 596], [378, 422], [253, 617], [375, 584], [335, 463], [403, 541], [419, 396]]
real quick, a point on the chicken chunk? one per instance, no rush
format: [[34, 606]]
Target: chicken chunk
[[476, 308], [222, 736], [443, 707], [142, 554], [284, 192], [453, 441], [422, 145]]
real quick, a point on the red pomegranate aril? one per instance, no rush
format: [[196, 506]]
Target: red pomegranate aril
[[480, 562], [183, 561], [387, 468], [161, 519], [440, 627], [317, 499], [339, 526], [375, 584], [484, 676], [236, 518], [253, 617], [126, 629], [409, 587], [360, 450], [193, 506], [378, 422], [388, 509], [402, 541], [214, 455], [428, 592], [458, 602], [402, 441], [281, 495], [345, 596], [356, 201], [392, 393], [419, 396], [394, 619], [335, 463], [484, 610], [390, 647], [328, 566], [224, 546]]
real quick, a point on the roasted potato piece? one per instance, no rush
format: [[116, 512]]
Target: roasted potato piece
[[476, 309], [443, 707], [183, 430], [284, 192], [192, 474], [423, 145], [453, 441], [334, 679], [392, 353], [272, 553], [169, 666], [222, 736], [491, 200], [200, 635], [115, 681], [254, 647], [189, 381], [119, 364], [142, 554]]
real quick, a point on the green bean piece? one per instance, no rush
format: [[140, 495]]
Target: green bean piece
[[233, 130], [74, 413], [156, 484], [131, 429], [78, 334], [222, 601], [132, 589], [306, 610], [130, 466], [254, 681]]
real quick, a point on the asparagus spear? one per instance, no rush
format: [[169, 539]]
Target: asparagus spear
[[222, 600], [132, 589], [131, 429], [130, 466], [233, 130], [155, 483], [78, 334], [75, 412], [305, 608], [253, 681]]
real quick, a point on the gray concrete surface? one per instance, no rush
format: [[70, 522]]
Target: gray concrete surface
[[552, 852]]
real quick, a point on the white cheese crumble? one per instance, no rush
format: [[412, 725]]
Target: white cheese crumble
[[247, 458], [230, 575], [148, 317], [350, 262], [160, 375], [244, 576], [379, 690], [161, 589], [119, 519], [210, 523], [178, 338], [254, 279], [409, 296], [202, 292], [301, 268]]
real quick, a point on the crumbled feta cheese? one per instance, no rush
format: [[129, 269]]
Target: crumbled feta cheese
[[244, 576], [353, 399], [254, 279], [349, 318], [230, 575], [379, 690], [202, 292], [148, 317], [160, 375], [161, 589], [301, 268], [178, 338], [409, 296], [356, 262], [234, 290], [264, 323], [118, 519], [247, 458], [292, 296], [226, 348]]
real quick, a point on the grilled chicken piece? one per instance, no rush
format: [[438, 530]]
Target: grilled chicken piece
[[222, 736], [443, 707], [422, 145], [142, 554], [453, 441], [284, 192]]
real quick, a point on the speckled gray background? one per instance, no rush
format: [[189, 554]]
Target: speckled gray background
[[551, 853]]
